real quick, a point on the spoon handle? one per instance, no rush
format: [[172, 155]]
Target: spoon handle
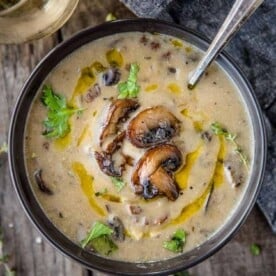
[[240, 12]]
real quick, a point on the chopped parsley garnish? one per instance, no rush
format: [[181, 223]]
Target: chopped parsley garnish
[[130, 88], [4, 148], [103, 192], [118, 183], [57, 121], [110, 17], [177, 242], [99, 238], [255, 249], [5, 258], [220, 131]]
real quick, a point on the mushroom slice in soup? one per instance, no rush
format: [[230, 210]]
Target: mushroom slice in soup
[[153, 173], [104, 158], [118, 112], [165, 184], [111, 76], [41, 183], [118, 228], [116, 143], [107, 165], [152, 126]]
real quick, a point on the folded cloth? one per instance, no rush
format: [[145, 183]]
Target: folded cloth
[[254, 50]]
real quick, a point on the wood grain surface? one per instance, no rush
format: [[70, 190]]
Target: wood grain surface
[[32, 255]]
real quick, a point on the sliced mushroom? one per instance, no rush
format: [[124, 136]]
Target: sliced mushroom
[[153, 173], [160, 220], [104, 158], [92, 93], [135, 209], [164, 183], [107, 165], [152, 126], [233, 172], [206, 136], [118, 228], [118, 112], [111, 76], [116, 143], [41, 183], [208, 199]]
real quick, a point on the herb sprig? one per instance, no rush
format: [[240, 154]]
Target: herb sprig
[[110, 17], [4, 148], [255, 249], [118, 183], [4, 258], [177, 241], [130, 88], [99, 238], [221, 131], [57, 121]]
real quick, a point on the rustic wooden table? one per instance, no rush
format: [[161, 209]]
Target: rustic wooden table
[[32, 255]]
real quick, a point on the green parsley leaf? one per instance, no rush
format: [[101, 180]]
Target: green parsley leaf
[[100, 193], [118, 183], [4, 258], [103, 245], [255, 249], [8, 271], [110, 17], [130, 88], [220, 131], [99, 229], [182, 273], [176, 243], [57, 121], [3, 148]]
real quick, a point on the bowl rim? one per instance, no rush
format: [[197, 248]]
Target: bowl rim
[[45, 226]]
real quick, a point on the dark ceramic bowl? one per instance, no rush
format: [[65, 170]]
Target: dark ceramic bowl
[[36, 214]]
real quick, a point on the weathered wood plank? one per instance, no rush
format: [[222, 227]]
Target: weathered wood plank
[[29, 254], [93, 12], [235, 258]]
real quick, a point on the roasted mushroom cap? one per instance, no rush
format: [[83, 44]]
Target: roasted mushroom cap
[[118, 112], [153, 173], [152, 126], [165, 184]]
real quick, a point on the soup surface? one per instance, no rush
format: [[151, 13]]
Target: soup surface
[[155, 167]]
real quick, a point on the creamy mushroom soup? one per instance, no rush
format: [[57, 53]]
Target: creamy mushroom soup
[[127, 161]]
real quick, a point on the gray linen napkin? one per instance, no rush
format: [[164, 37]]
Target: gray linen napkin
[[253, 49]]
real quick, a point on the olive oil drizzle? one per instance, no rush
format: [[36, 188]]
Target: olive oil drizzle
[[219, 171], [151, 87], [86, 79], [63, 142], [182, 176], [114, 58], [111, 198], [174, 88], [197, 123], [83, 135], [86, 182], [189, 210]]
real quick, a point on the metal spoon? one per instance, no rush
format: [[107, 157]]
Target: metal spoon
[[240, 12]]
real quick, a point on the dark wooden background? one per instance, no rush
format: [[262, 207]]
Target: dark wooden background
[[31, 255]]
